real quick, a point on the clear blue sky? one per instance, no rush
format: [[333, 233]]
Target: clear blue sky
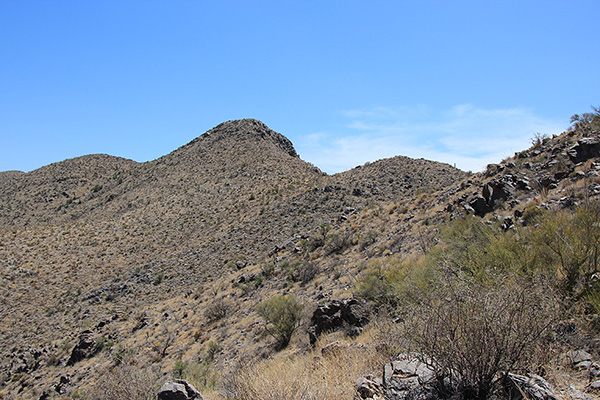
[[465, 82]]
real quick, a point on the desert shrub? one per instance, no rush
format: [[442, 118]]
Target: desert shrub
[[389, 282], [471, 334], [217, 310], [570, 244], [302, 271], [212, 348], [382, 283], [366, 240], [472, 246], [337, 242], [591, 119], [179, 368], [531, 214], [282, 314], [203, 375]]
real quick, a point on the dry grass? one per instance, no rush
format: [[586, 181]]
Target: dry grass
[[306, 376]]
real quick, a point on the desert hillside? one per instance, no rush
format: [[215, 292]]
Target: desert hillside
[[122, 275]]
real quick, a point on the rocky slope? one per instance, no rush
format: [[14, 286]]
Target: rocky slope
[[105, 261], [107, 245]]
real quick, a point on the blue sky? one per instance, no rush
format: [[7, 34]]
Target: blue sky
[[464, 82]]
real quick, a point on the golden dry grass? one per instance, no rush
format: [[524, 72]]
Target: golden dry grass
[[306, 376]]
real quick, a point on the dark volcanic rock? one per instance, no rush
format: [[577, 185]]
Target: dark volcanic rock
[[178, 390], [584, 149], [336, 314], [85, 348]]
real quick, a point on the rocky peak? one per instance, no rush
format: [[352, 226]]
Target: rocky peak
[[248, 129]]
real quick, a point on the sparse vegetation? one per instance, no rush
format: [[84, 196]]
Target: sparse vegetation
[[172, 273], [282, 314], [590, 119]]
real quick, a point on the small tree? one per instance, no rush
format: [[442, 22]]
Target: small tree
[[282, 314]]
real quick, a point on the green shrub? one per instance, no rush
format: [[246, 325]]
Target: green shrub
[[282, 314], [179, 368], [301, 271], [382, 283], [202, 375], [570, 244]]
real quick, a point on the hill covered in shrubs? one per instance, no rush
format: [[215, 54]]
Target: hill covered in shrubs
[[215, 262]]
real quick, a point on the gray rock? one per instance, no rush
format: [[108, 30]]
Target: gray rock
[[498, 190], [178, 390], [577, 356], [532, 387], [409, 378], [584, 149], [479, 205], [593, 387], [369, 387], [583, 365], [594, 370]]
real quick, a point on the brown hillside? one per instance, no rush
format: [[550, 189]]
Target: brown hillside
[[139, 253]]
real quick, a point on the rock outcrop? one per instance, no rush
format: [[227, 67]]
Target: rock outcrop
[[178, 390], [335, 315], [85, 348], [410, 378]]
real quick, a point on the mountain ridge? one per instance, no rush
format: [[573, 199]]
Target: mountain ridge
[[100, 238]]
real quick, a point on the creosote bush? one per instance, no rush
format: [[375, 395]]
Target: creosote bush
[[472, 335], [282, 314]]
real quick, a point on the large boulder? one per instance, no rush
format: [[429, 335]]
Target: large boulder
[[584, 149], [479, 205], [178, 390], [336, 314], [406, 378]]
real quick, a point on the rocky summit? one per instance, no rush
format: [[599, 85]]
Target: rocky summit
[[120, 278]]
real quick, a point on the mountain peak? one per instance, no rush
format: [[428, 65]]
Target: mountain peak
[[243, 129]]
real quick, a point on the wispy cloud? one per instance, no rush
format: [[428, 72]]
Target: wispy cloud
[[465, 135]]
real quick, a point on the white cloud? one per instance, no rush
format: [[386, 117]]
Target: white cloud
[[464, 135]]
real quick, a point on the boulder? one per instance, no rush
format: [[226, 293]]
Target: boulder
[[347, 313], [577, 356], [479, 205], [584, 149], [178, 390], [370, 387], [593, 387], [498, 190], [85, 348], [532, 387], [411, 377], [406, 378]]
